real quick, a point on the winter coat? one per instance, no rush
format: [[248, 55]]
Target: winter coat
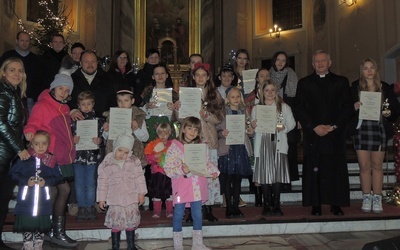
[[33, 70], [53, 117], [124, 81], [12, 117], [118, 185], [51, 62], [20, 173], [104, 95], [223, 149], [144, 78], [138, 148], [89, 157], [192, 187]]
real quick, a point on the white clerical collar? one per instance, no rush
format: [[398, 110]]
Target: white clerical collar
[[323, 75]]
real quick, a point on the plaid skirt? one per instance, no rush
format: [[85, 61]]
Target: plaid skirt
[[370, 136]]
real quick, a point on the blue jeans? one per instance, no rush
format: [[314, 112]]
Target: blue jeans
[[179, 211], [85, 184]]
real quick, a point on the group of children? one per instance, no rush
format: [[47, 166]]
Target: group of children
[[117, 182]]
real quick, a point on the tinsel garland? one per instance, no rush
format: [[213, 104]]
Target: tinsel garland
[[393, 196]]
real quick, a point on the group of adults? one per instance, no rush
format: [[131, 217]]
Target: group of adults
[[24, 75], [323, 103]]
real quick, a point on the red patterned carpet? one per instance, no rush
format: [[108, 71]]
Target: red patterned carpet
[[293, 214]]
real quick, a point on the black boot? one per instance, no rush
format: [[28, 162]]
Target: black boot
[[3, 245], [258, 196], [151, 205], [266, 193], [130, 239], [189, 218], [237, 213], [236, 185], [276, 188], [207, 213], [115, 239], [60, 237], [229, 214]]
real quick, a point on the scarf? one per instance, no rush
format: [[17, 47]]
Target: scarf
[[47, 158], [291, 82]]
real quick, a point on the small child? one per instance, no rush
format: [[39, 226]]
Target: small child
[[271, 167], [226, 77], [52, 114], [160, 184], [253, 98], [86, 161], [234, 160], [126, 100], [34, 177], [186, 186], [121, 187]]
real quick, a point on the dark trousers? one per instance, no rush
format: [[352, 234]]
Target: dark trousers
[[6, 192]]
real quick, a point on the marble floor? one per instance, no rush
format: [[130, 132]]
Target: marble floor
[[342, 241]]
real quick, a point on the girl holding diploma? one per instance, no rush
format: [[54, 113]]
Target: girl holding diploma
[[186, 186], [212, 113], [270, 150], [34, 176], [160, 76], [370, 137], [86, 161], [233, 161], [242, 62]]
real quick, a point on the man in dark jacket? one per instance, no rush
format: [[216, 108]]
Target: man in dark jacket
[[51, 60], [31, 63], [324, 108], [90, 78]]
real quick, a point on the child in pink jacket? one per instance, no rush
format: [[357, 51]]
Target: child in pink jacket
[[121, 186], [187, 187], [51, 114]]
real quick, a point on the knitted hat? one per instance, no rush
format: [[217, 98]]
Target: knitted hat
[[125, 139], [62, 80]]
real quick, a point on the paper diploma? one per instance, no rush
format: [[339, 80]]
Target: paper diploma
[[120, 119], [236, 125], [196, 158], [161, 98], [249, 80], [190, 102], [86, 130], [266, 119], [370, 108]]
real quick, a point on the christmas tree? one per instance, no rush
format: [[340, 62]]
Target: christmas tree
[[54, 22]]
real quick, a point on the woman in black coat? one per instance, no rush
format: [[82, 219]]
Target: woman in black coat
[[370, 137], [12, 117], [122, 76], [144, 77]]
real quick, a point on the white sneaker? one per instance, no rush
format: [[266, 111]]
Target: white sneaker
[[367, 203], [377, 204]]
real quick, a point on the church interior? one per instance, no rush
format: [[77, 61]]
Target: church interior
[[350, 30]]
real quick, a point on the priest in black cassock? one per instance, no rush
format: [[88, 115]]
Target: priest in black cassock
[[324, 108]]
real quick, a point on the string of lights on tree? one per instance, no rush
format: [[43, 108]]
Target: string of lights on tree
[[52, 23], [393, 196]]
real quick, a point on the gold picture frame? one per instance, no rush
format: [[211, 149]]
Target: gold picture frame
[[142, 33]]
